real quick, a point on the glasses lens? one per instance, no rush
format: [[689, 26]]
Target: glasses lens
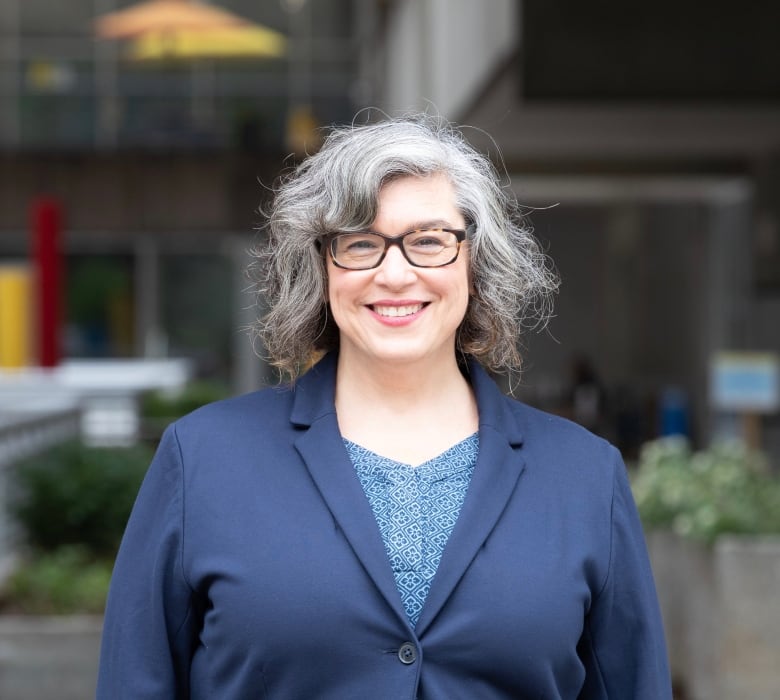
[[357, 250], [431, 247], [424, 248]]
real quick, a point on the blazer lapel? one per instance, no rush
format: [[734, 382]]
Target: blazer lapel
[[322, 450], [495, 477]]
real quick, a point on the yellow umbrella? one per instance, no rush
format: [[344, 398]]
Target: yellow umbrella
[[165, 29], [220, 42], [192, 31], [164, 15]]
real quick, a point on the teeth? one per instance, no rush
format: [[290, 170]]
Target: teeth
[[398, 310]]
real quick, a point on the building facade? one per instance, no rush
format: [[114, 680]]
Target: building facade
[[645, 144]]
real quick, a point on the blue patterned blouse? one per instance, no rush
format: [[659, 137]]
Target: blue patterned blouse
[[416, 509]]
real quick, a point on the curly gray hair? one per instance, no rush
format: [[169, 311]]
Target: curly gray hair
[[337, 190]]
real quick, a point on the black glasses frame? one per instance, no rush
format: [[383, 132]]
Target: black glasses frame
[[460, 235]]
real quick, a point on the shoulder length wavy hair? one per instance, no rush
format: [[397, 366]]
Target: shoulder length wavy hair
[[337, 189]]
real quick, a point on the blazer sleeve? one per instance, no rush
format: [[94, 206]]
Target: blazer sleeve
[[623, 645], [150, 623]]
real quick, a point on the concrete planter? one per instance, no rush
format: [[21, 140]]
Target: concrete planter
[[49, 657], [721, 609]]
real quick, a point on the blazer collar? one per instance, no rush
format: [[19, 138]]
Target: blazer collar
[[499, 466], [315, 392], [495, 409], [315, 396]]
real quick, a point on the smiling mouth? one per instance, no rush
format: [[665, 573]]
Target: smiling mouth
[[396, 311]]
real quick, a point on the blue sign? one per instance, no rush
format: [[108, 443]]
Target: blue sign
[[745, 382]]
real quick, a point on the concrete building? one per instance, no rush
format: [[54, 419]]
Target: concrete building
[[646, 144]]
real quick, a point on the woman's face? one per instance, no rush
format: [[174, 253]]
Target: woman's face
[[397, 313]]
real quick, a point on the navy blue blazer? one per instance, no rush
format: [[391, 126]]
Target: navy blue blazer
[[253, 567]]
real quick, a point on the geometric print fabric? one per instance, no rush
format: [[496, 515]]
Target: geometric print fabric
[[415, 509]]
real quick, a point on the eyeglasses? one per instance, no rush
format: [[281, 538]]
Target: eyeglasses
[[431, 247]]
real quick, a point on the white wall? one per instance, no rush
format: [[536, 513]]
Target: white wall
[[441, 52]]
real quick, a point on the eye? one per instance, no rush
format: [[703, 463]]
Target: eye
[[356, 244], [427, 240]]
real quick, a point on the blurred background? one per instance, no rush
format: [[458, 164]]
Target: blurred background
[[139, 140]]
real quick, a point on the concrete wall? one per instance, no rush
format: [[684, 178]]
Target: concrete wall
[[721, 615], [439, 51], [49, 657]]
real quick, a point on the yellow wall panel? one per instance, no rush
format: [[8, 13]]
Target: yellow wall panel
[[15, 310]]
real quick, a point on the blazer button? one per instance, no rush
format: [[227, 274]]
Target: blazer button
[[407, 654]]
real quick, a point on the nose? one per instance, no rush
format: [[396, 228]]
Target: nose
[[395, 270]]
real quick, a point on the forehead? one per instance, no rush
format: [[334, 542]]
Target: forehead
[[412, 201]]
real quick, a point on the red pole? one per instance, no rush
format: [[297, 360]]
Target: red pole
[[46, 220]]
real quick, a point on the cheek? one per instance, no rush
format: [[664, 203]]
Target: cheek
[[333, 284], [460, 297], [467, 296], [333, 298], [465, 305], [466, 285], [342, 292], [329, 288]]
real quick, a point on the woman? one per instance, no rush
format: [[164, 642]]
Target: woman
[[387, 525]]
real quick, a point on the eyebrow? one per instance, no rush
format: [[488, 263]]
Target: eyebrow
[[429, 223]]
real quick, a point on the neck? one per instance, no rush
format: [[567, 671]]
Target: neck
[[407, 413]]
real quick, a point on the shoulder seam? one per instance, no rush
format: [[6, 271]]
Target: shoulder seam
[[180, 460], [611, 526]]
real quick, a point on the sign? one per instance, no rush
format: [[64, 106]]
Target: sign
[[745, 382]]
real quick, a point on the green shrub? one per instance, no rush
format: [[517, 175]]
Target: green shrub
[[65, 581], [725, 489], [159, 408], [78, 495], [164, 404]]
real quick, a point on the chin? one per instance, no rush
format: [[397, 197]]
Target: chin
[[409, 356]]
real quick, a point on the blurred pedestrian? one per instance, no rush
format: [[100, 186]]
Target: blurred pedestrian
[[587, 397], [387, 524]]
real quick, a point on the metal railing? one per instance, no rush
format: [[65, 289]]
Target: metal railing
[[23, 435]]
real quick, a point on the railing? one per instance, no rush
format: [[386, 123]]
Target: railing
[[95, 401], [23, 435]]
